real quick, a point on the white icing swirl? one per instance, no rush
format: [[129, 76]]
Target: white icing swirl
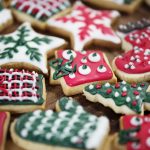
[[84, 60], [136, 121], [72, 75], [94, 57], [84, 70], [101, 69], [68, 53]]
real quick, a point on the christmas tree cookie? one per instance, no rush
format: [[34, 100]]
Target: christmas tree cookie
[[128, 6], [74, 70], [27, 49], [134, 133], [37, 12], [5, 18], [76, 129], [86, 26], [122, 97], [21, 91], [134, 65], [4, 122]]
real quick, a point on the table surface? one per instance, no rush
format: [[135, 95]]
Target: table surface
[[55, 92]]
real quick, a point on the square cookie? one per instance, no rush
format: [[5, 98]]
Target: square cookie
[[74, 70]]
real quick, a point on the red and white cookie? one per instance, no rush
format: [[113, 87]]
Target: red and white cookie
[[86, 26], [74, 70], [4, 122], [134, 65], [134, 133]]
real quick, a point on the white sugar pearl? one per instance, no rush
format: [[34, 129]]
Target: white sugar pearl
[[107, 84], [124, 89], [91, 86], [124, 82], [72, 75], [116, 94], [126, 66], [128, 99], [132, 67], [148, 142]]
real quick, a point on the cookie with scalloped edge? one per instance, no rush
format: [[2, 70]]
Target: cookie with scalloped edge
[[134, 64], [133, 133], [122, 97], [37, 12], [74, 70], [70, 129], [128, 6]]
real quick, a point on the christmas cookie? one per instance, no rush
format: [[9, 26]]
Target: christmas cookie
[[128, 6], [134, 133], [28, 49], [37, 12], [122, 97], [147, 2], [21, 91], [64, 130], [74, 70], [86, 26], [134, 65], [5, 18], [4, 122]]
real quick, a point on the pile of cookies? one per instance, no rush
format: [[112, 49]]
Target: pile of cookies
[[63, 32]]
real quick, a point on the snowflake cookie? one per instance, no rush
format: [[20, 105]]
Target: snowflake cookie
[[85, 26], [66, 129], [74, 70], [134, 65], [21, 91], [128, 6], [5, 18], [27, 49], [134, 133], [37, 11], [122, 97], [4, 122]]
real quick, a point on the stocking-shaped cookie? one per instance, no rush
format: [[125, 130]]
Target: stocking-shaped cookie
[[74, 70], [85, 26], [21, 91], [134, 133], [73, 128], [134, 65], [122, 97], [4, 122]]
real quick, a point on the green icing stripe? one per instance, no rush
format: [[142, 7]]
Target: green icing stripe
[[125, 94], [128, 1], [52, 128], [29, 102]]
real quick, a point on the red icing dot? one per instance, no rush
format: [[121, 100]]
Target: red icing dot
[[124, 94], [98, 86], [133, 85], [134, 103], [117, 85], [136, 93], [109, 91], [142, 84]]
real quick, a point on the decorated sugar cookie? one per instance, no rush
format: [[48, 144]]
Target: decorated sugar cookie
[[134, 65], [86, 26], [27, 49], [5, 18], [133, 134], [74, 70], [21, 91], [66, 129], [37, 12], [128, 6], [4, 122], [122, 97]]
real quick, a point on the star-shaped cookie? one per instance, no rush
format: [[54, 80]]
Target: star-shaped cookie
[[5, 18], [27, 49], [85, 26], [37, 11], [134, 65]]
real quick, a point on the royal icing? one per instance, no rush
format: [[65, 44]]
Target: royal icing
[[26, 46], [73, 127], [80, 71], [131, 95], [5, 15], [136, 61], [86, 24], [41, 10], [3, 117], [135, 134], [20, 87]]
